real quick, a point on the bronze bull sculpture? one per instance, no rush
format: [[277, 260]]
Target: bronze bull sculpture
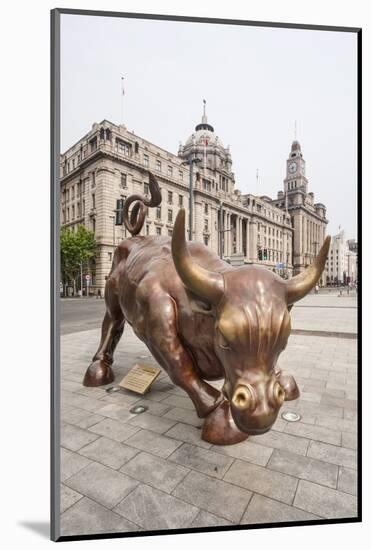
[[203, 319]]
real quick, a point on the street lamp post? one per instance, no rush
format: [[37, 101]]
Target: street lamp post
[[113, 231], [191, 161]]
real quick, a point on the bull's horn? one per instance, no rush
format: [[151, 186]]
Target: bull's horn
[[301, 284], [205, 284]]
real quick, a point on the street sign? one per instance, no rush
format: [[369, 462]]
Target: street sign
[[87, 277]]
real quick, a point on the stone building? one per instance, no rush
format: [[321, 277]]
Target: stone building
[[341, 264], [308, 218], [110, 163]]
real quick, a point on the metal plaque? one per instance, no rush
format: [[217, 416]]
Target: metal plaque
[[140, 378]]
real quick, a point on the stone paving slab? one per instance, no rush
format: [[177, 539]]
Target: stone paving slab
[[304, 467], [202, 460], [88, 517], [155, 471], [124, 472], [324, 501], [108, 452], [119, 431], [159, 445], [102, 484], [68, 497], [204, 519], [152, 509], [263, 481], [267, 510], [214, 495]]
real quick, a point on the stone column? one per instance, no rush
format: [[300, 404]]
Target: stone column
[[238, 234], [248, 256], [198, 220], [253, 241]]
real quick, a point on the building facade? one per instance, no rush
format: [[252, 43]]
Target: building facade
[[308, 218], [342, 262], [110, 163]]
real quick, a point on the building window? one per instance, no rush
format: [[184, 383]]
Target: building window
[[147, 228], [79, 209], [158, 166], [206, 224], [170, 216], [63, 216], [124, 181], [72, 192], [170, 197], [180, 175], [93, 200], [146, 160], [146, 188], [158, 230], [110, 256], [136, 147], [108, 134], [206, 240], [73, 164], [170, 232], [158, 213], [123, 147], [93, 225], [93, 179], [206, 208], [180, 200], [170, 171], [93, 144], [68, 214], [83, 207]]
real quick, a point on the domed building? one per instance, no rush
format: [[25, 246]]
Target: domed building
[[216, 160]]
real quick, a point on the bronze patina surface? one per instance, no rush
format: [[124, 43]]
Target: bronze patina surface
[[203, 319]]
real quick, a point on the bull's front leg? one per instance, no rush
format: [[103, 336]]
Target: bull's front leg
[[163, 341], [99, 372]]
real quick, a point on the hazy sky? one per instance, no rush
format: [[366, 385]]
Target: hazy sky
[[257, 82]]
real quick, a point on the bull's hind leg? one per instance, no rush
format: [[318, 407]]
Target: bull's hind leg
[[100, 371]]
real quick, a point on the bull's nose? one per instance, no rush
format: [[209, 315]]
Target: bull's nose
[[277, 394], [244, 398]]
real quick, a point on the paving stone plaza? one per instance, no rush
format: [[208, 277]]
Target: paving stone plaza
[[125, 472]]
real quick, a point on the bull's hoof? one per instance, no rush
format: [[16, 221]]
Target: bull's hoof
[[219, 427], [98, 374], [290, 387]]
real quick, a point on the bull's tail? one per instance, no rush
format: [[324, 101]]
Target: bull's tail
[[134, 221]]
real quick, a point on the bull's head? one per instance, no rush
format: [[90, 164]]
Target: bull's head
[[252, 325]]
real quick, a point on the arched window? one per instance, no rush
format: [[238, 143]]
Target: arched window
[[101, 133]]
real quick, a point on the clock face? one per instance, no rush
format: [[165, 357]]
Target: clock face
[[292, 167]]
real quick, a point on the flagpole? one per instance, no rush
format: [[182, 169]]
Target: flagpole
[[122, 100]]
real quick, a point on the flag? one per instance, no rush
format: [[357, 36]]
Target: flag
[[122, 86]]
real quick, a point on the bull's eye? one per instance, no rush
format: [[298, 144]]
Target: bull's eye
[[222, 342]]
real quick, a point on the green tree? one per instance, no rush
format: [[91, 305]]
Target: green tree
[[77, 248]]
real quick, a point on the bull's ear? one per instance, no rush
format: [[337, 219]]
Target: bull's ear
[[208, 285], [299, 286]]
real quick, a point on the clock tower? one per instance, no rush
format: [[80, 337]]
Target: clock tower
[[308, 219], [295, 171]]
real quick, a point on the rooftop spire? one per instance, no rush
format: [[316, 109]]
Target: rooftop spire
[[204, 117], [204, 125]]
